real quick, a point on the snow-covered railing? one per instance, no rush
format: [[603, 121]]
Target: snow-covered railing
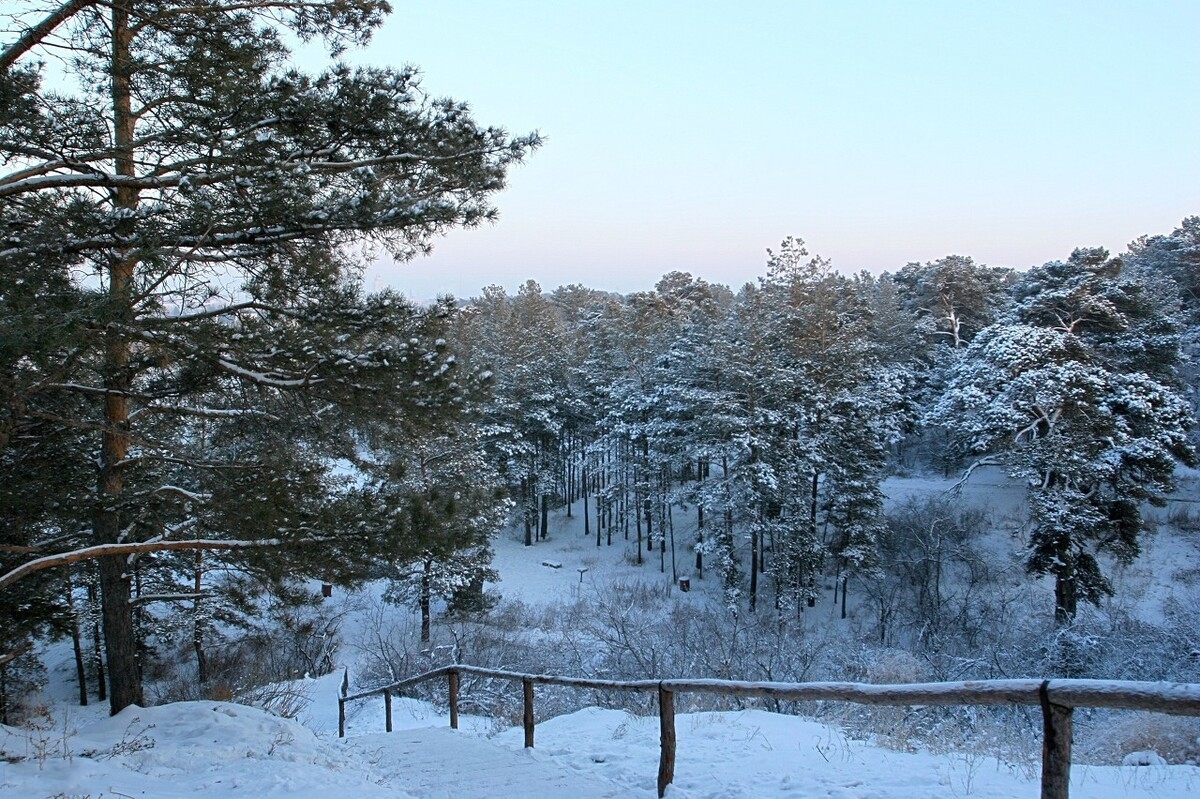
[[1057, 699]]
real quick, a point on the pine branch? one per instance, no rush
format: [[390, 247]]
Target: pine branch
[[988, 460], [41, 179], [9, 657], [105, 550], [204, 413], [35, 35], [225, 310], [146, 598]]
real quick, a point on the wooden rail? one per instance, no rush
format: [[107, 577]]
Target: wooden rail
[[1057, 699]]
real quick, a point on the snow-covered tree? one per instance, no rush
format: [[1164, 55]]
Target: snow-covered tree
[[200, 193], [519, 341], [1075, 393], [843, 406], [1176, 256], [958, 295], [447, 497]]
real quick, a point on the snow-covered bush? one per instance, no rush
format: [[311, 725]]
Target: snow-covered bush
[[1107, 737]]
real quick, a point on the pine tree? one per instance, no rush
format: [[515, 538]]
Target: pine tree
[[200, 194], [447, 497], [960, 296], [1176, 256], [1075, 394], [843, 406]]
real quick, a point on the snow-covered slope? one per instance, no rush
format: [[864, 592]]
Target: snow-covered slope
[[218, 749]]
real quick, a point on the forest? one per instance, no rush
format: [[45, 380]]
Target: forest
[[202, 412], [768, 417]]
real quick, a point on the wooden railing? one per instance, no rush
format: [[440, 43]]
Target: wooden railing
[[1057, 699]]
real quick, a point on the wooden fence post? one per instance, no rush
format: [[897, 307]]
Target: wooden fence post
[[387, 710], [453, 700], [666, 727], [527, 684], [1056, 746]]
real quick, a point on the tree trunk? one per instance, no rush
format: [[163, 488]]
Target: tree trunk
[[198, 624], [812, 505], [671, 528], [97, 644], [625, 500], [753, 568], [76, 641], [649, 533], [544, 531], [119, 639], [1066, 600], [1066, 587], [587, 529], [426, 591], [570, 476], [525, 511], [662, 539], [701, 473], [637, 518]]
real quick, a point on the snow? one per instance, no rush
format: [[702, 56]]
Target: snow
[[184, 749], [1144, 758], [219, 749]]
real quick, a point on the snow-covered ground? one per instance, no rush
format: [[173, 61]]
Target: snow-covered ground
[[215, 749], [219, 749]]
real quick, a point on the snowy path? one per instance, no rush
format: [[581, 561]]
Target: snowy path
[[440, 763], [218, 750]]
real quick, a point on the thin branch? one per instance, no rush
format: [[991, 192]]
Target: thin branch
[[8, 657], [183, 493], [145, 598], [224, 310], [33, 36], [263, 379], [105, 550], [204, 413], [987, 460], [165, 180], [185, 462]]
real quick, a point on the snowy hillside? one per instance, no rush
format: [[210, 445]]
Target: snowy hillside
[[215, 748]]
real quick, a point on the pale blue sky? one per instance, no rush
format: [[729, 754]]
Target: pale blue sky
[[693, 135]]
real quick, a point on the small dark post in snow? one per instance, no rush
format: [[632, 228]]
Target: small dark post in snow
[[453, 700], [527, 684], [387, 711], [1056, 746], [666, 728], [582, 571]]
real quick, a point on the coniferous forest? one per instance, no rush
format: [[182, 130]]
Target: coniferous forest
[[202, 411]]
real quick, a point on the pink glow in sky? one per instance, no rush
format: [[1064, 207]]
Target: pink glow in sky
[[693, 135]]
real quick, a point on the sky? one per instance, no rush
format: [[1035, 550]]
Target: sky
[[693, 136]]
